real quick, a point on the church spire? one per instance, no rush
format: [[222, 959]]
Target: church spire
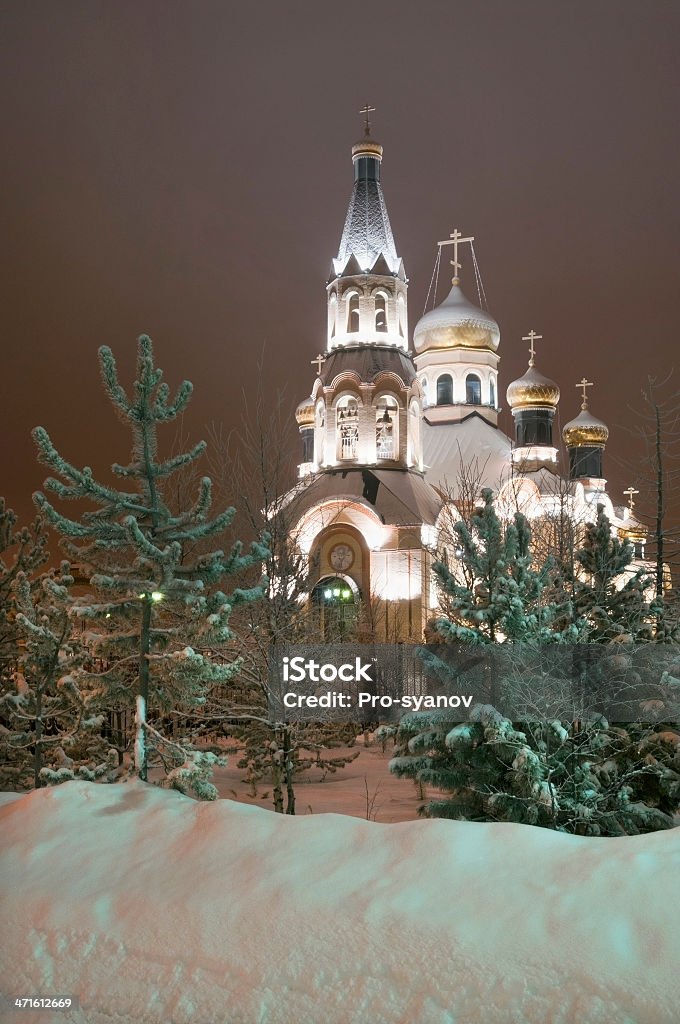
[[367, 289], [367, 233]]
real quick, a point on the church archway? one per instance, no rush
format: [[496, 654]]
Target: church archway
[[335, 605]]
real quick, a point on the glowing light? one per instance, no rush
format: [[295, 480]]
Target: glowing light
[[156, 595], [336, 592], [346, 595], [328, 594]]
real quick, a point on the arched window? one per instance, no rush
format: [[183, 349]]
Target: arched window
[[401, 314], [332, 314], [380, 313], [413, 449], [473, 389], [352, 312], [492, 392], [387, 428], [445, 389], [347, 428], [423, 384]]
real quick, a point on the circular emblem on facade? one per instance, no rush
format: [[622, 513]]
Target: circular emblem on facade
[[341, 557]]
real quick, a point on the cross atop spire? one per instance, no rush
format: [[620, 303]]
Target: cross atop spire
[[455, 239], [531, 337], [630, 492], [583, 383], [367, 110]]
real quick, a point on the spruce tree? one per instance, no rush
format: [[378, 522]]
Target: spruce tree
[[582, 775], [51, 736], [22, 550], [609, 595], [155, 614], [501, 595]]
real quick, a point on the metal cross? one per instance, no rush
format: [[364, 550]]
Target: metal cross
[[319, 360], [531, 337], [630, 492], [367, 110], [583, 383], [455, 239]]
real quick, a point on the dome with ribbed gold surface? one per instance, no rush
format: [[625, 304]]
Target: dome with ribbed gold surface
[[456, 323], [585, 430], [533, 390], [304, 414]]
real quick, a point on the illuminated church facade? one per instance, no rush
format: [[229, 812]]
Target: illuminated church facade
[[397, 433]]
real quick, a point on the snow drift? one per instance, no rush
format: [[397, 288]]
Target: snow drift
[[152, 907]]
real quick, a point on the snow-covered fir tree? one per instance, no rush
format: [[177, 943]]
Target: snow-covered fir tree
[[22, 550], [590, 778], [155, 618], [50, 735], [498, 593], [610, 596], [581, 775]]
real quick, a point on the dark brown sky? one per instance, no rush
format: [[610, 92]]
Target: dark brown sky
[[183, 169]]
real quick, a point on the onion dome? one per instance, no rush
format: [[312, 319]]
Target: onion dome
[[304, 414], [456, 323], [585, 430], [532, 390]]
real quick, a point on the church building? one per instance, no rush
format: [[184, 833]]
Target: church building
[[398, 435]]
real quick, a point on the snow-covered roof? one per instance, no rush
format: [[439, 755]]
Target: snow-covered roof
[[472, 443], [367, 233], [399, 498]]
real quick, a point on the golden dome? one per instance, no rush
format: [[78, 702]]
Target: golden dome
[[304, 413], [585, 430], [532, 390], [456, 323], [367, 147]]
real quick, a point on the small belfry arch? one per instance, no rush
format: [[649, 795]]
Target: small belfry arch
[[380, 307], [347, 427], [352, 308], [386, 427]]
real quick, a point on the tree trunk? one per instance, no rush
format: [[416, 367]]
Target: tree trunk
[[288, 767], [37, 756], [144, 648]]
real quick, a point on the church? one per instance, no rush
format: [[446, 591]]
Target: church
[[400, 434]]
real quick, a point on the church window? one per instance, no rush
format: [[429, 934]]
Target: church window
[[445, 389], [380, 313], [492, 392], [386, 423], [473, 389], [332, 314], [413, 447], [348, 429], [423, 385], [352, 313], [401, 314]]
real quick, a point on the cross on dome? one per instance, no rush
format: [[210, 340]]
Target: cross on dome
[[630, 491], [531, 337], [455, 239], [583, 383], [367, 110], [319, 362]]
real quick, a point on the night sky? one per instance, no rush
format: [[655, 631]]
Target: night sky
[[183, 169]]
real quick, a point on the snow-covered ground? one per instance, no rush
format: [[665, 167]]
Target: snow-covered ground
[[154, 908]]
